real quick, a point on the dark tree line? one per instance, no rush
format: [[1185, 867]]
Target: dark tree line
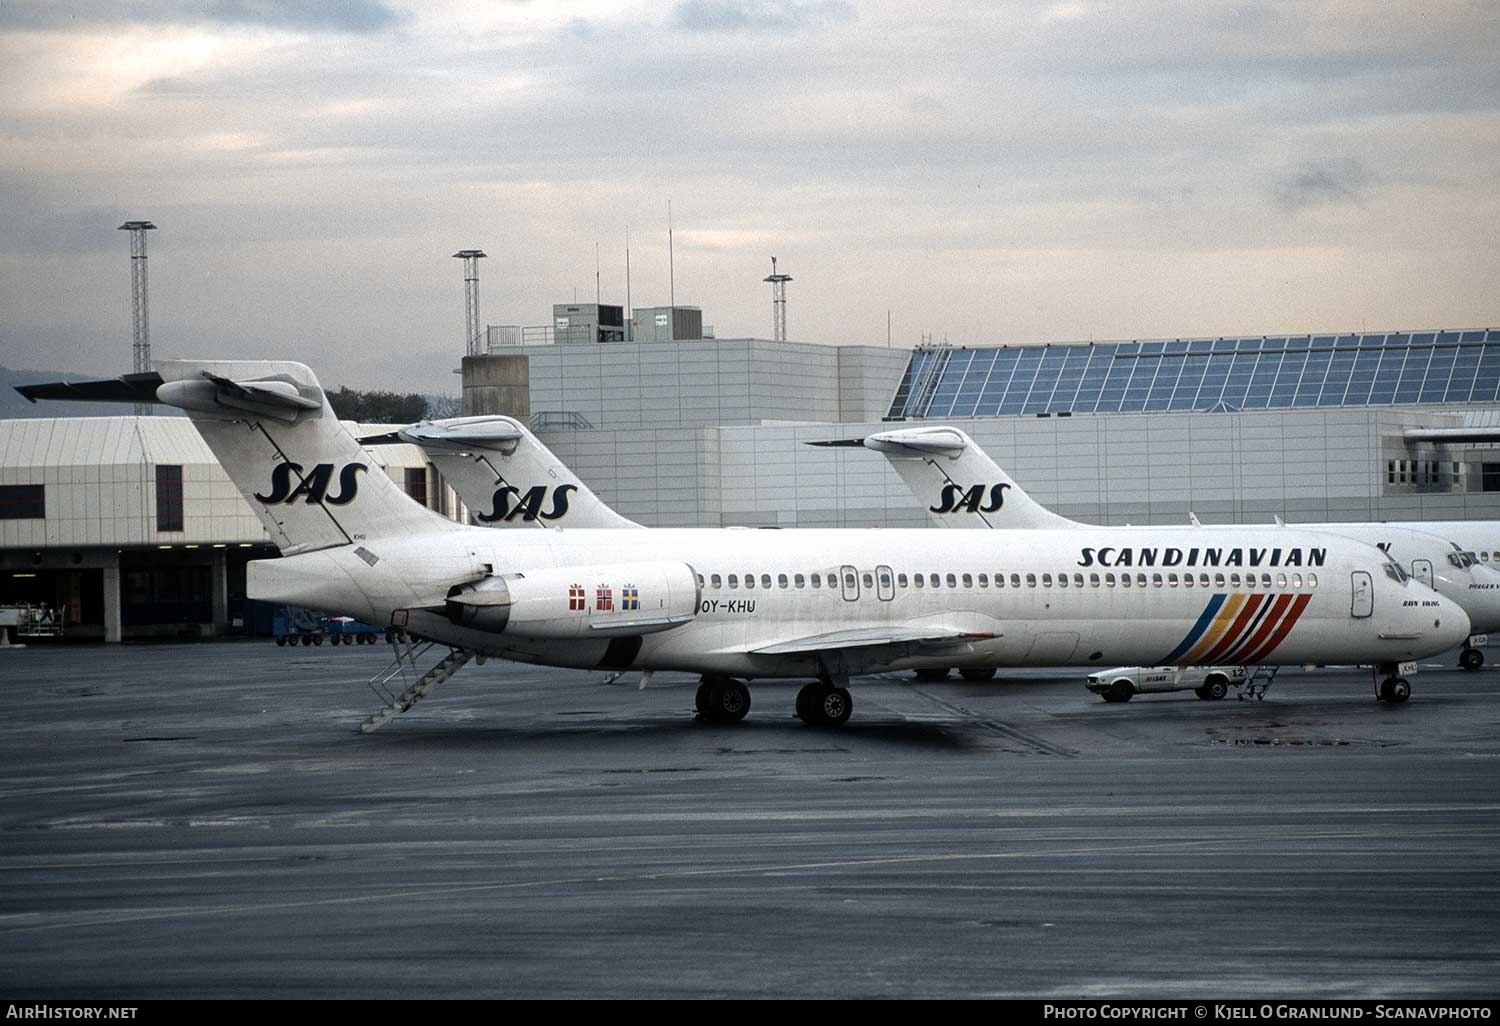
[[377, 407]]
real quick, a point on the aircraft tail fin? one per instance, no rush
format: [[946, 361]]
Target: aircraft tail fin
[[958, 482], [507, 477], [270, 426]]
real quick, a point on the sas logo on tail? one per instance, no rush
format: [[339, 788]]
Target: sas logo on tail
[[509, 503], [312, 488], [957, 499]]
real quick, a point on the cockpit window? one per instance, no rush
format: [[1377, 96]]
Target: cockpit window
[[1455, 559], [1395, 573]]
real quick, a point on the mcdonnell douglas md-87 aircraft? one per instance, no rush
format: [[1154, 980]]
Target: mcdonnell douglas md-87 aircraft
[[504, 474], [962, 487], [736, 605]]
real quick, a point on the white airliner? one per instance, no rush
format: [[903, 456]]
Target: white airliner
[[505, 475], [737, 605], [962, 487]]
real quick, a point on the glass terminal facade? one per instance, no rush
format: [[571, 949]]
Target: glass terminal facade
[[1276, 372]]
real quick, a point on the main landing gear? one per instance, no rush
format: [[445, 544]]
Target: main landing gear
[[1394, 689], [1471, 659], [825, 703], [722, 700]]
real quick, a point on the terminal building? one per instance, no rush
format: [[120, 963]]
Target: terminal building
[[130, 529]]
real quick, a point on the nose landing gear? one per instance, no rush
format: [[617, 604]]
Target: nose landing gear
[[1395, 688]]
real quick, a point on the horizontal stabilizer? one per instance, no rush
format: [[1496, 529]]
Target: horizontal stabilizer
[[870, 637], [842, 443], [128, 388]]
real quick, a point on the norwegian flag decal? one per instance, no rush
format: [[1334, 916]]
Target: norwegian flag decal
[[604, 599]]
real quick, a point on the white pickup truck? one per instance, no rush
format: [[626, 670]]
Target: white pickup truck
[[1125, 682]]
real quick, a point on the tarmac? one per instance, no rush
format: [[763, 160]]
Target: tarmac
[[206, 821]]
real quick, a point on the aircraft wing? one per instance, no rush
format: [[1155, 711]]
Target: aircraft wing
[[871, 637]]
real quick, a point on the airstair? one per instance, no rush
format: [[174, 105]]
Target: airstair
[[405, 664], [1258, 683]]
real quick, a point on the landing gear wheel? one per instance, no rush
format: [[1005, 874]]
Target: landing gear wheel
[[937, 674], [1395, 690], [822, 706], [281, 641], [317, 639], [348, 639], [986, 673], [306, 639], [1471, 659], [722, 700]]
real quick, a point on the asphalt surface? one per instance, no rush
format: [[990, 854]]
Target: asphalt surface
[[206, 821]]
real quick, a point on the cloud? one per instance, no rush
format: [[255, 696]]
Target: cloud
[[297, 15], [1322, 183], [760, 15]]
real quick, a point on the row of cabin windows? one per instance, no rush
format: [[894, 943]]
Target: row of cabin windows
[[1016, 580]]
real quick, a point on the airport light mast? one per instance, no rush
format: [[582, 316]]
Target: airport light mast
[[778, 301], [471, 258], [140, 309]]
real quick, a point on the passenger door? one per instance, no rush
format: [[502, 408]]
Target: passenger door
[[1364, 595]]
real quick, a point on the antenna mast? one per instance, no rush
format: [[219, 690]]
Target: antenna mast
[[140, 308], [778, 301], [471, 258]]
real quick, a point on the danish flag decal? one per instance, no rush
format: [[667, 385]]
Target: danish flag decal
[[577, 599]]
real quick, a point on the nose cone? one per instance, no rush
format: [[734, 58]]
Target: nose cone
[[1445, 626], [1481, 599]]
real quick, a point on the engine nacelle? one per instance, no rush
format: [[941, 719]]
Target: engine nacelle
[[602, 601]]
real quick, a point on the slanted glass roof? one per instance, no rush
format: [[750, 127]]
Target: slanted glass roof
[[1275, 372]]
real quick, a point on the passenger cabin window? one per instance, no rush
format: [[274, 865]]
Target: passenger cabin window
[[1218, 580], [1187, 581], [932, 579], [885, 579], [1296, 580], [817, 581], [749, 580], [849, 581], [1140, 580], [917, 580], [1234, 580], [1125, 581], [1015, 580], [700, 580], [1046, 580], [1078, 580], [952, 581], [901, 580], [716, 581], [1030, 580], [868, 580], [1156, 580], [968, 581], [781, 581], [1265, 580], [734, 580], [1312, 580], [765, 580], [799, 581], [1109, 580], [1062, 580], [984, 580]]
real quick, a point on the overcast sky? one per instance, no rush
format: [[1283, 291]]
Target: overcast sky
[[987, 172]]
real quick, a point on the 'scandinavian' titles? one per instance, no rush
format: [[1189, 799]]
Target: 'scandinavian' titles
[[1202, 557]]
